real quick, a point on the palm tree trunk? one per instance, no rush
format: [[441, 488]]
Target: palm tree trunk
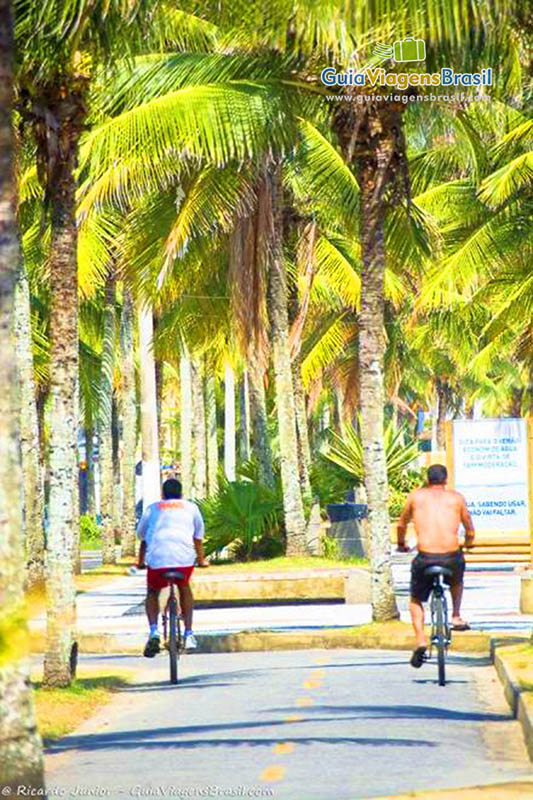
[[373, 165], [244, 433], [212, 441], [258, 413], [129, 427], [20, 747], [200, 432], [186, 424], [442, 396], [89, 454], [67, 115], [295, 525], [105, 425], [229, 423], [149, 437], [32, 484], [304, 450], [117, 473]]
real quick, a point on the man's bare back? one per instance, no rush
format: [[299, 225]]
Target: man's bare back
[[436, 513]]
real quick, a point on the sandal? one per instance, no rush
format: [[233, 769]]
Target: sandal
[[418, 657], [461, 626]]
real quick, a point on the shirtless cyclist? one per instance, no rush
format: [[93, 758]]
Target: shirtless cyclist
[[436, 513]]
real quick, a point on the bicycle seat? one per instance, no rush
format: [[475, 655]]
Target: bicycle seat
[[173, 575], [436, 570]]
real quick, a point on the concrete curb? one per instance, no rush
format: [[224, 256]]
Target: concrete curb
[[494, 791], [388, 636], [520, 701]]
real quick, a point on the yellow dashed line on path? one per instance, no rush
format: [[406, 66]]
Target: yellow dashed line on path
[[304, 701], [293, 718], [271, 774], [321, 661], [283, 748], [312, 684]]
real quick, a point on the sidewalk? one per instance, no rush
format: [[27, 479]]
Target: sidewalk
[[491, 602]]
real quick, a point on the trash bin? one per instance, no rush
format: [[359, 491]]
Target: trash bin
[[348, 529]]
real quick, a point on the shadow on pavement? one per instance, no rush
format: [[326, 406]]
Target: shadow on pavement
[[398, 712], [123, 740]]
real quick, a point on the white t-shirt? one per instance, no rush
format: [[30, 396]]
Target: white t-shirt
[[169, 527]]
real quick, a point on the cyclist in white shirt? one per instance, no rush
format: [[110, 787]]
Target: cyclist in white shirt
[[171, 533]]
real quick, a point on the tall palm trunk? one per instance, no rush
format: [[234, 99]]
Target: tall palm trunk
[[151, 478], [442, 401], [229, 423], [57, 139], [186, 424], [258, 414], [89, 454], [32, 483], [377, 151], [20, 748], [295, 524], [129, 426], [302, 431], [244, 433], [200, 431], [212, 441], [105, 425]]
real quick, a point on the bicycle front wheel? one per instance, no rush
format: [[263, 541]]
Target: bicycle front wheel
[[173, 640], [440, 639]]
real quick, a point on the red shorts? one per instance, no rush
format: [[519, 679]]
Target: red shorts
[[155, 577]]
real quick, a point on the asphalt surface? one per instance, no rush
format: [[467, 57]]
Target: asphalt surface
[[304, 725]]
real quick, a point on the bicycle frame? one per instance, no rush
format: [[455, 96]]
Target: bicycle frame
[[172, 597], [438, 595]]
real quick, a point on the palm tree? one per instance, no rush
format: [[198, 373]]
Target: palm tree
[[21, 760], [295, 523], [32, 485], [129, 422], [105, 432], [149, 431], [56, 46]]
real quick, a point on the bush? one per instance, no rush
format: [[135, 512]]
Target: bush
[[330, 482], [347, 453], [410, 480], [246, 517], [89, 530]]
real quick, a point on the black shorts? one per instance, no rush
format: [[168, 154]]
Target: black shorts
[[421, 586]]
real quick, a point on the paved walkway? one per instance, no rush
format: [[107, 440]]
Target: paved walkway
[[491, 602], [305, 725]]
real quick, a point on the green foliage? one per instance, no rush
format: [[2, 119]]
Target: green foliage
[[332, 550], [347, 453], [330, 483], [245, 516], [90, 533]]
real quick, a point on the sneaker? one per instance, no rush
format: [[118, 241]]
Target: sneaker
[[152, 647], [190, 641], [418, 657]]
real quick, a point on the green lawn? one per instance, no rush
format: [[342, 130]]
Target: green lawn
[[284, 563], [60, 711], [520, 659]]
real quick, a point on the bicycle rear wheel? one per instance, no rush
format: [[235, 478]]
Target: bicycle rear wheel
[[440, 639], [173, 636]]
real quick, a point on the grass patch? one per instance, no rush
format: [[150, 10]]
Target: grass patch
[[60, 711], [90, 543], [520, 659], [283, 563]]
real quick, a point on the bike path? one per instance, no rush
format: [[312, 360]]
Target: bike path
[[294, 725]]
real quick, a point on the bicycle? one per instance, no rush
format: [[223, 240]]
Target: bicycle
[[172, 623], [440, 627]]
